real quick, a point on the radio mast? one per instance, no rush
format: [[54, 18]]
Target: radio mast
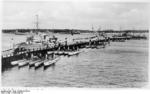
[[37, 22]]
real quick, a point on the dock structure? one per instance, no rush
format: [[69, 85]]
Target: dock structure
[[40, 50], [27, 51]]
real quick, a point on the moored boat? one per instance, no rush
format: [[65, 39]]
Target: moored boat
[[50, 62], [50, 52], [70, 53], [23, 63], [66, 53], [31, 63], [87, 46], [14, 63], [38, 64], [59, 52]]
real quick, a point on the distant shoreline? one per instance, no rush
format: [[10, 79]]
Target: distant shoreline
[[70, 31]]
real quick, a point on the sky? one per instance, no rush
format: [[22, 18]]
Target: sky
[[75, 15]]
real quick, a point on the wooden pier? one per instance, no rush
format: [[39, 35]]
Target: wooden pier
[[27, 51], [41, 50]]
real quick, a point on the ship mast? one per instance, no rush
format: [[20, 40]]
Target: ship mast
[[94, 32], [37, 23], [92, 28]]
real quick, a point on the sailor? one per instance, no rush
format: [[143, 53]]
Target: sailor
[[65, 41]]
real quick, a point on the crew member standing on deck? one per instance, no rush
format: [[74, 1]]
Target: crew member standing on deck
[[66, 41]]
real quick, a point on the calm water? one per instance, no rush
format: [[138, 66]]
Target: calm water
[[122, 64]]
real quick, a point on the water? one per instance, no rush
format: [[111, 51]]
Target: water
[[122, 64]]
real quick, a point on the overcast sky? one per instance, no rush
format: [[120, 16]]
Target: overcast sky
[[75, 15]]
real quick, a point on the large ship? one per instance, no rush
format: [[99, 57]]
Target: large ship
[[36, 40]]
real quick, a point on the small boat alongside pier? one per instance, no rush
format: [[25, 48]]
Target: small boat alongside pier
[[14, 63], [50, 62], [38, 64], [23, 63], [32, 63], [71, 53]]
